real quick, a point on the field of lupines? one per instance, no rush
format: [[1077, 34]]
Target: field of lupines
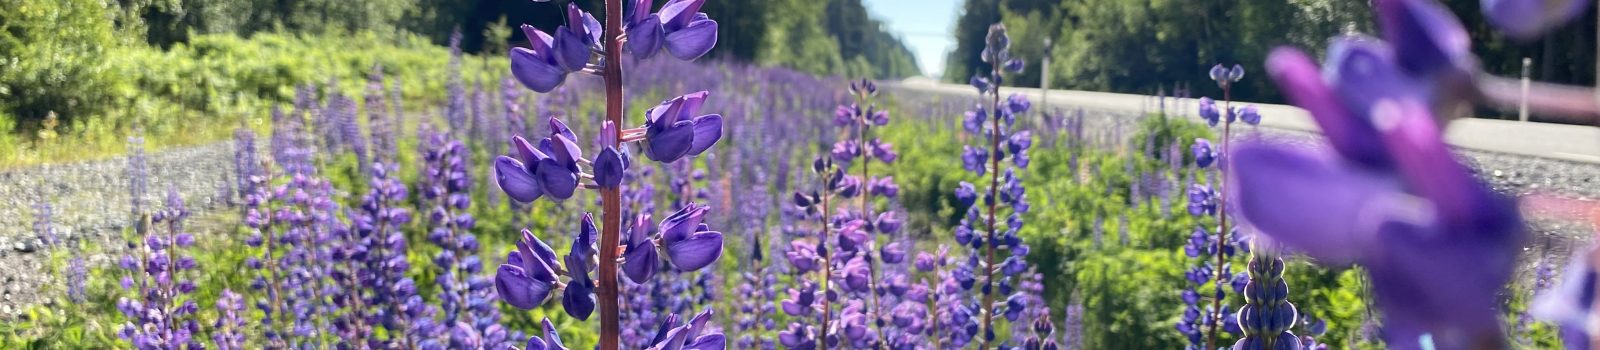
[[717, 206]]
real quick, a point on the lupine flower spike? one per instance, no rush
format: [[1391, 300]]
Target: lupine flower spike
[[554, 167]]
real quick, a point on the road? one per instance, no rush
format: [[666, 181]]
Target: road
[[1554, 141]]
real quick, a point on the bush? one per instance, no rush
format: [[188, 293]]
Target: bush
[[54, 56]]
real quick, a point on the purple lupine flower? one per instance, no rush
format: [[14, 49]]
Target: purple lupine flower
[[536, 66], [1267, 315], [550, 341], [691, 335], [160, 316], [680, 27], [1250, 115], [1571, 304], [672, 130], [576, 40], [379, 221], [982, 229], [382, 129], [77, 275], [43, 229], [529, 274], [230, 326], [1203, 154], [688, 244], [138, 175], [1209, 110], [245, 162], [1391, 182], [465, 295]]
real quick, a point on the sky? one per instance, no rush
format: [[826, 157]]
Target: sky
[[924, 25]]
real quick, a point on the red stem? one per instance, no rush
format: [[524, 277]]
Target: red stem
[[994, 185], [611, 197]]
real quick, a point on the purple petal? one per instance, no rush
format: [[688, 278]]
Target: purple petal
[[707, 342], [671, 143], [592, 27], [1363, 71], [515, 180], [1306, 200], [707, 130], [551, 337], [566, 152], [534, 71], [692, 41], [571, 50], [678, 13], [1431, 37], [698, 323], [691, 103], [534, 343], [1298, 77], [682, 223], [696, 252], [517, 289], [526, 153], [578, 301], [557, 127], [558, 180], [540, 257], [640, 261], [639, 10], [1429, 167], [1571, 302], [608, 168], [538, 40], [645, 37]]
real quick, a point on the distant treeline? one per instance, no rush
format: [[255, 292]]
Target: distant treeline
[[118, 60], [1142, 46], [824, 37]]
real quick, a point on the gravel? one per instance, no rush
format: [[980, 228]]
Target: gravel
[[91, 206]]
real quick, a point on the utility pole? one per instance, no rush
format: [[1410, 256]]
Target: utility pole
[[1044, 76]]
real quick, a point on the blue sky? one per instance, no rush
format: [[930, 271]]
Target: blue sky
[[924, 25]]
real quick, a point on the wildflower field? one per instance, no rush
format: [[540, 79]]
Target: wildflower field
[[605, 185]]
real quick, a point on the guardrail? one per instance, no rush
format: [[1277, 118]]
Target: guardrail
[[1574, 143]]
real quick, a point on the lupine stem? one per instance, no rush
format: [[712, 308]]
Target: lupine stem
[[994, 201], [872, 264], [827, 263], [171, 291], [272, 269], [1222, 218], [611, 197]]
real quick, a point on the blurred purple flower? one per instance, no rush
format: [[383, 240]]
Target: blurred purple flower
[[1412, 220]]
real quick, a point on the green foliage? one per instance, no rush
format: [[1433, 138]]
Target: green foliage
[[834, 37], [1142, 46], [215, 83], [1161, 131], [54, 57]]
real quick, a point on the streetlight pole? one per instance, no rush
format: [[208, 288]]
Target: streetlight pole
[[1522, 108], [1044, 76]]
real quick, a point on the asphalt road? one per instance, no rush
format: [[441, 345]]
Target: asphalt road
[[1554, 141]]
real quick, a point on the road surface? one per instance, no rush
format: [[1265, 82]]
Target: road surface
[[1554, 141]]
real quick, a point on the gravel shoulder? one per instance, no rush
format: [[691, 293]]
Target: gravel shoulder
[[91, 206]]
